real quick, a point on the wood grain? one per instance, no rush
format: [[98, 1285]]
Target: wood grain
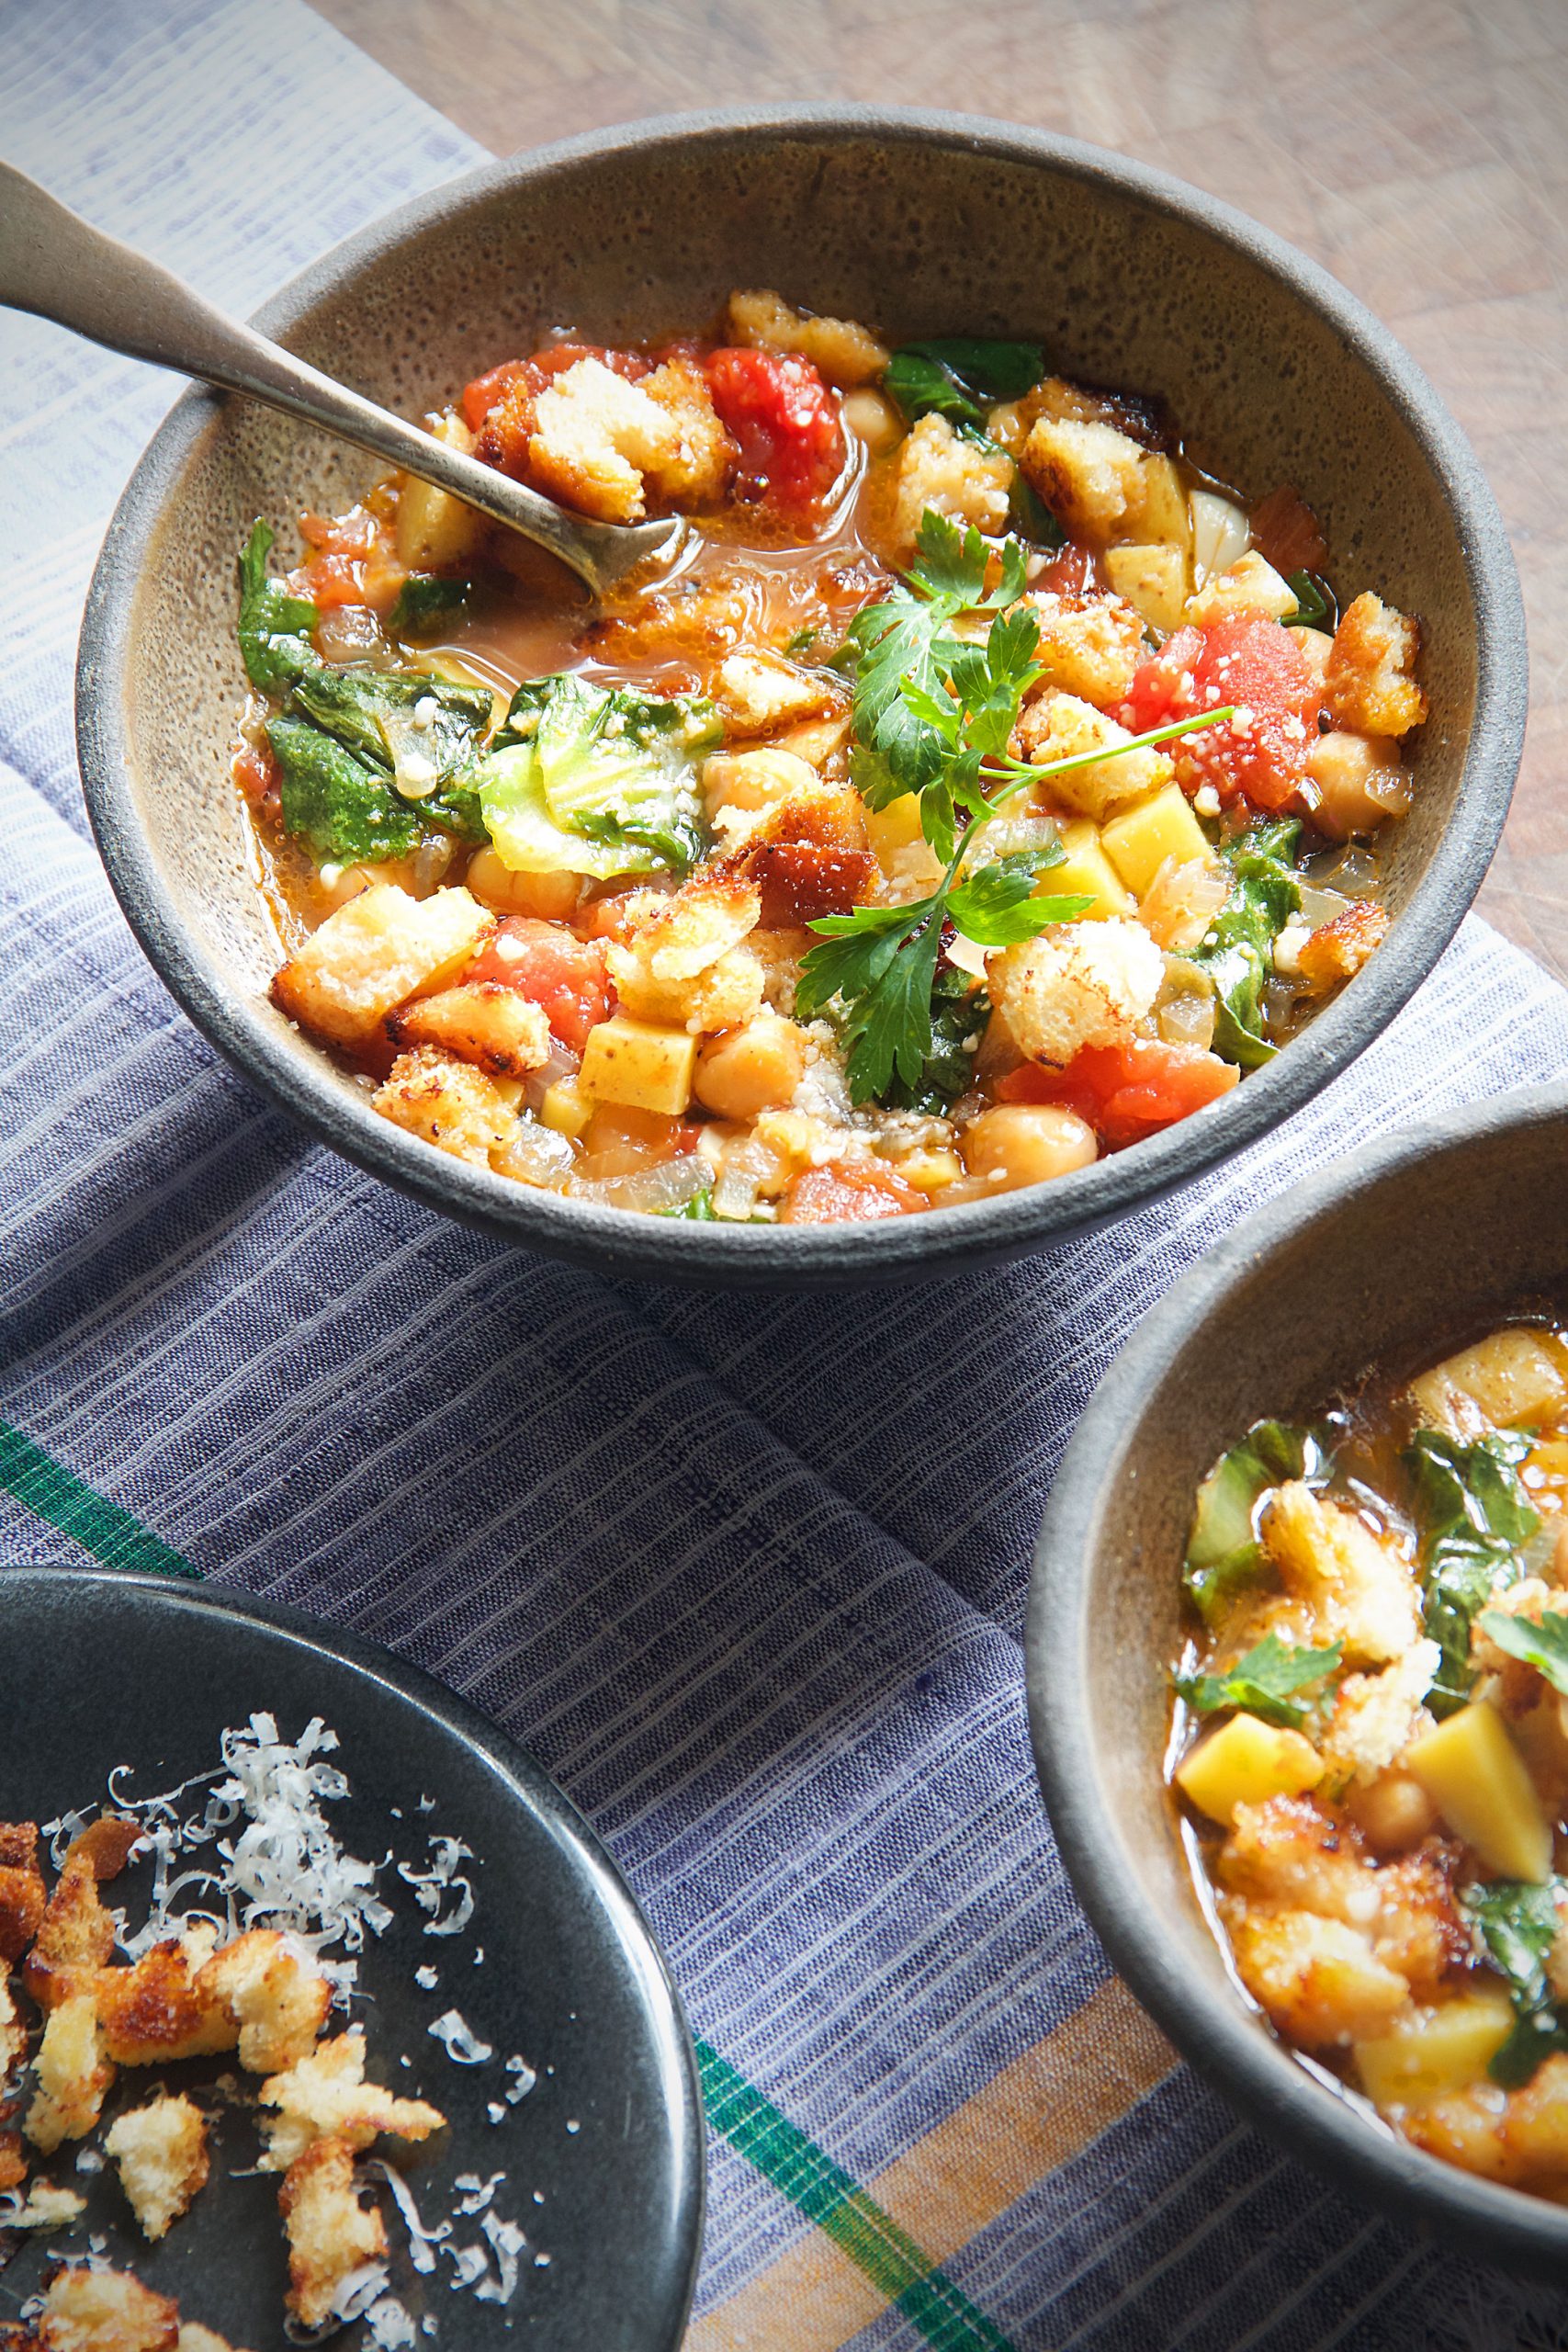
[[1418, 148]]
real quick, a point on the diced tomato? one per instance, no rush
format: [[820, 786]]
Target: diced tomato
[[846, 1193], [620, 1141], [552, 969], [1071, 572], [785, 419], [350, 533], [333, 580], [486, 391], [1260, 755], [1126, 1092], [562, 356], [1286, 532], [253, 772]]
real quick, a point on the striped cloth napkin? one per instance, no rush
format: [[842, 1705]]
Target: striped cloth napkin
[[744, 1573]]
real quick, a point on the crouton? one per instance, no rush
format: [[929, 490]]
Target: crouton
[[275, 1995], [1368, 683], [373, 954], [684, 965], [108, 1844], [936, 468], [1320, 1980], [13, 2159], [75, 1937], [1075, 985], [451, 1105], [482, 1021], [1088, 645], [331, 2233], [1360, 1591], [595, 435], [1467, 2128], [697, 472], [159, 2009], [160, 2151], [74, 2074], [756, 693], [22, 1897], [1088, 474], [1377, 1714], [1061, 726], [1535, 2128], [194, 2338], [1337, 950], [1292, 1854], [45, 2207], [13, 2034], [325, 2095], [844, 352], [105, 2311]]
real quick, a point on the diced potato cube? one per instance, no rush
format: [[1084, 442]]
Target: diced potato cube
[[565, 1108], [1511, 1377], [1165, 516], [1086, 872], [1436, 2051], [1476, 1778], [1251, 584], [930, 1170], [1153, 579], [435, 531], [639, 1063], [1139, 839], [1246, 1761], [374, 953]]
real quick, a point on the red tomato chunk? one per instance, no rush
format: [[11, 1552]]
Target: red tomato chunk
[[785, 419], [1126, 1092], [847, 1193], [553, 969], [1252, 662]]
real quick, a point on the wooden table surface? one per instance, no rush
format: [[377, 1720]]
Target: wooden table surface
[[1418, 148]]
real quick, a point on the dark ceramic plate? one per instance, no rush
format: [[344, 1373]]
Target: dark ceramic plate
[[602, 2157], [924, 225], [1422, 1240]]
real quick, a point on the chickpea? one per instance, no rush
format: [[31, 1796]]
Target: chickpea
[[874, 420], [751, 1070], [1394, 1814], [1314, 643], [551, 896], [1359, 782], [1027, 1143], [754, 780]]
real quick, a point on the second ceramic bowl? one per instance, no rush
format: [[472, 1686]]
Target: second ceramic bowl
[[922, 223], [1415, 1242]]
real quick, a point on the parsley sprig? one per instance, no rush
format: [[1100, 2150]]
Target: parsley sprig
[[933, 713]]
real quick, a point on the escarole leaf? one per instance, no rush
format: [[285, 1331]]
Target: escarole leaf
[[956, 374], [1264, 1683], [426, 602], [1515, 1922], [597, 780], [1474, 1516], [424, 733], [1236, 950], [1225, 1552], [274, 627], [341, 807]]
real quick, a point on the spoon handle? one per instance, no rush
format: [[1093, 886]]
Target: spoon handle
[[56, 264]]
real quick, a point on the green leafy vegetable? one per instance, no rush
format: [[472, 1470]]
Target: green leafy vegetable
[[1224, 1551], [1474, 1516], [960, 1009], [802, 641], [426, 602], [1314, 602], [275, 627], [1236, 950], [424, 731], [1517, 1922], [1542, 1645], [955, 373], [596, 780], [699, 1210], [340, 806], [1264, 1683]]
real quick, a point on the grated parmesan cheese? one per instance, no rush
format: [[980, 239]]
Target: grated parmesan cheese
[[459, 2040], [431, 1886]]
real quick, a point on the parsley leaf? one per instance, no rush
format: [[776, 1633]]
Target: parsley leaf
[[1236, 950], [1263, 1682], [1314, 602], [1224, 1551], [1542, 1645], [955, 373], [960, 1009], [274, 627], [888, 1027], [1473, 1515], [997, 907]]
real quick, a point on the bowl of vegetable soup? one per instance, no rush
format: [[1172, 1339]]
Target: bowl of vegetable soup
[[1084, 702], [1298, 1661]]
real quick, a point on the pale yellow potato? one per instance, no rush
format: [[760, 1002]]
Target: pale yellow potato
[[639, 1063], [435, 531]]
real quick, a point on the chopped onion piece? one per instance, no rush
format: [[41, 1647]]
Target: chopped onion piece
[[668, 1185], [1220, 535], [539, 1156]]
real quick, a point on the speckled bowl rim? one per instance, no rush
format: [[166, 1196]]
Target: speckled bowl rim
[[951, 1241], [1209, 2026]]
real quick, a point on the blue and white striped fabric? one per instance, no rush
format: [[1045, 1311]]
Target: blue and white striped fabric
[[747, 1573]]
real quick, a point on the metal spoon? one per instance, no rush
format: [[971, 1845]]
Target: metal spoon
[[55, 264]]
